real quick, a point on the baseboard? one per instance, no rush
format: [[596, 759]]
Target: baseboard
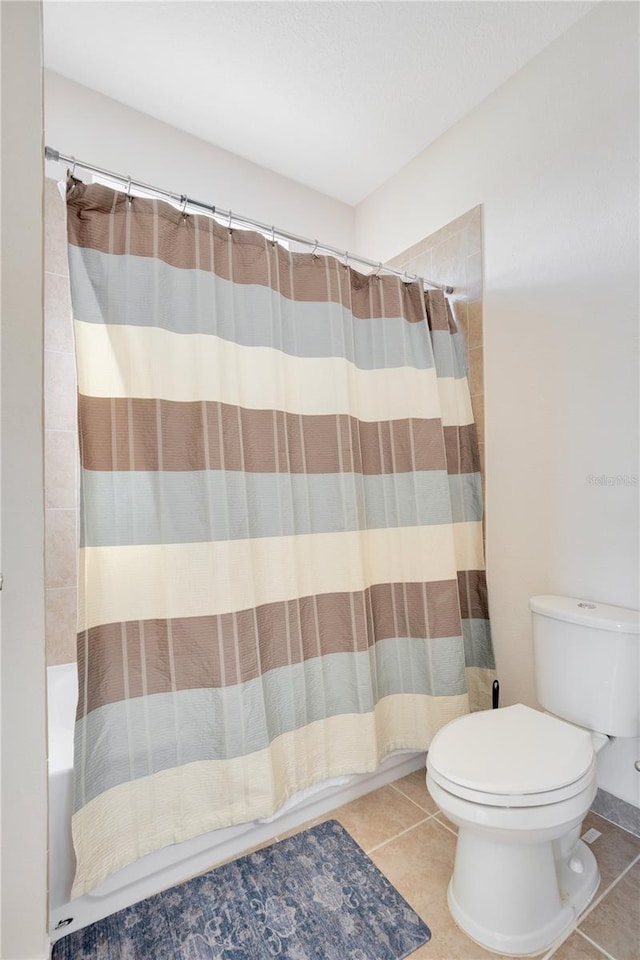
[[617, 811]]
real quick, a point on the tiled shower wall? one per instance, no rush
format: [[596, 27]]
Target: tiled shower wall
[[60, 439], [452, 255]]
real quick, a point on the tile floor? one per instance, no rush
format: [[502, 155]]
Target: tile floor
[[403, 832]]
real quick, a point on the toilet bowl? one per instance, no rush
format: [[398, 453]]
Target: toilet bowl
[[517, 783]]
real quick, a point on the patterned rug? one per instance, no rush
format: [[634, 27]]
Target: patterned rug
[[315, 896]]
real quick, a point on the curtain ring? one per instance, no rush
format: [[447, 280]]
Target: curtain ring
[[273, 235], [346, 259], [229, 224], [184, 199], [379, 269], [73, 167], [315, 247], [128, 190]]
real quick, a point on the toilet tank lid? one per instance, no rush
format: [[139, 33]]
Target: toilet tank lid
[[588, 613]]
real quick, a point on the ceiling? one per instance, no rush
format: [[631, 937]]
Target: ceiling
[[336, 95]]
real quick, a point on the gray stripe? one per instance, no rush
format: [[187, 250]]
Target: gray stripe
[[120, 290], [478, 649], [219, 724], [466, 496], [122, 508], [449, 353]]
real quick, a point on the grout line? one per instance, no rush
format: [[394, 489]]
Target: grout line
[[598, 900], [596, 813], [596, 945], [445, 825], [64, 353], [59, 353], [429, 813], [567, 936], [54, 273], [557, 944], [398, 835]]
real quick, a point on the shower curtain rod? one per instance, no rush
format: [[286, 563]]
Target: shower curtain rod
[[230, 218]]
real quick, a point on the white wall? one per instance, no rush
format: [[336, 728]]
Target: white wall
[[24, 788], [92, 127], [553, 157]]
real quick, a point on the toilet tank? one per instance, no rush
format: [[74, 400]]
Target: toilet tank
[[587, 663]]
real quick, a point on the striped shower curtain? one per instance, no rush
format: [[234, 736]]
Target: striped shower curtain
[[281, 571]]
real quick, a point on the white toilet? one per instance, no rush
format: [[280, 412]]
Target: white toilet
[[518, 782]]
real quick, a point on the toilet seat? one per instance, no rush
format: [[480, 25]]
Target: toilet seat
[[512, 757]]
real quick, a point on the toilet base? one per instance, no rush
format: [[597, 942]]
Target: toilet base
[[523, 923]]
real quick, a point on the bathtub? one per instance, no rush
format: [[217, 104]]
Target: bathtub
[[179, 861]]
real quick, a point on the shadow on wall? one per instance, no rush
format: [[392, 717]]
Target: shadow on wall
[[453, 255]]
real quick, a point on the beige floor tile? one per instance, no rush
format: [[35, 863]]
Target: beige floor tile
[[614, 850], [415, 787], [412, 787], [446, 822], [378, 816], [577, 948], [419, 865], [614, 924], [422, 953]]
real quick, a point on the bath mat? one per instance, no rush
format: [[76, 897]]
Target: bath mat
[[314, 896]]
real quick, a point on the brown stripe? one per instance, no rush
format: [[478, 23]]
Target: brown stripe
[[97, 218], [345, 622], [472, 587], [439, 316], [167, 435], [461, 445]]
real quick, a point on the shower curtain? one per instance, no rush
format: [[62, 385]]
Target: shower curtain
[[281, 570]]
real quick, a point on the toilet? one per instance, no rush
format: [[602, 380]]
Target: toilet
[[518, 782]]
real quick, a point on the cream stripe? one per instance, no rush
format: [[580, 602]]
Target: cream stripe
[[135, 818], [455, 401], [113, 361], [468, 545], [196, 579]]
